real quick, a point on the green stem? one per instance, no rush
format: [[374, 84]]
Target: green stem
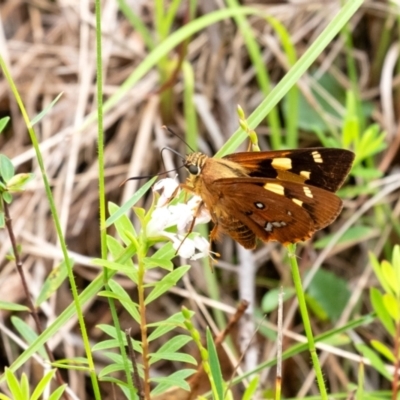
[[306, 320], [102, 197], [143, 322]]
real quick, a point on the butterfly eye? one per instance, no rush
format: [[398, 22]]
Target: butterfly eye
[[193, 169]]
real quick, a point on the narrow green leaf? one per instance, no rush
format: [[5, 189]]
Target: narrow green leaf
[[251, 389], [177, 379], [392, 306], [56, 277], [121, 268], [376, 298], [129, 305], [6, 305], [214, 365], [27, 333], [378, 272], [41, 386], [162, 327], [384, 350], [374, 359], [3, 123], [13, 385], [130, 203], [389, 275], [58, 393], [123, 224], [185, 358], [166, 283], [25, 386], [174, 344], [38, 117], [6, 168]]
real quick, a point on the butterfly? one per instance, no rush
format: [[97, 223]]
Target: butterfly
[[282, 196]]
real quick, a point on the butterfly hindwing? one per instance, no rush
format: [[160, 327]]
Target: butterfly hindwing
[[287, 212]]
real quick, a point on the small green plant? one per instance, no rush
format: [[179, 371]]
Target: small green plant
[[20, 390], [386, 304]]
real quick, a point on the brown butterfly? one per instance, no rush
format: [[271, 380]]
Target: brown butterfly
[[272, 195]]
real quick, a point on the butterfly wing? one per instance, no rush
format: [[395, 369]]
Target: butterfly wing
[[326, 168], [286, 212]]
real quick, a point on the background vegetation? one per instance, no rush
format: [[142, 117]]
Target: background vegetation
[[107, 303]]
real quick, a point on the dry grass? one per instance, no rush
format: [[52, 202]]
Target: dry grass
[[50, 48]]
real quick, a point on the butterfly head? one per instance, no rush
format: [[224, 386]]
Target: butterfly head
[[194, 163]]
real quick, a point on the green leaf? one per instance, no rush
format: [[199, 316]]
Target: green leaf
[[330, 292], [374, 359], [6, 305], [27, 333], [3, 123], [177, 379], [167, 325], [18, 182], [174, 344], [13, 385], [251, 389], [120, 252], [215, 367], [6, 168], [270, 300], [123, 224], [38, 117], [2, 220], [366, 173], [41, 386], [376, 298], [56, 277], [128, 270], [130, 203], [384, 350], [166, 283], [129, 305], [58, 393], [353, 235], [7, 197], [185, 358], [24, 386], [378, 272], [392, 306], [161, 258], [389, 275]]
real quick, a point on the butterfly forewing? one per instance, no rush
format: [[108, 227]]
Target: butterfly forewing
[[322, 167]]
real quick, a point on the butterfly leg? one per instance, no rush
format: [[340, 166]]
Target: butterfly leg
[[192, 223]]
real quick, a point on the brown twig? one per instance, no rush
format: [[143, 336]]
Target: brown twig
[[18, 263]]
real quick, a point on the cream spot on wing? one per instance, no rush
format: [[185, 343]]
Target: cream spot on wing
[[282, 163], [307, 192], [280, 224], [275, 187], [298, 202], [259, 205], [306, 174], [268, 227], [317, 157]]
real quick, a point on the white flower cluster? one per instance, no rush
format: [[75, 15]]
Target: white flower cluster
[[166, 215]]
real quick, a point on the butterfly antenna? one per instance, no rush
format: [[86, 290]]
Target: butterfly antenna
[[175, 134], [134, 178]]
